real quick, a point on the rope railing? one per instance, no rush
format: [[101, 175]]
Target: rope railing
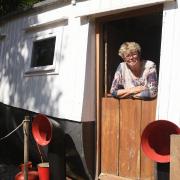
[[42, 155], [6, 136]]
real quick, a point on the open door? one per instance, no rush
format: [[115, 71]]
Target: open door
[[121, 121]]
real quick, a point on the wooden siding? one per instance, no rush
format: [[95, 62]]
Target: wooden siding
[[175, 157], [69, 91], [169, 87], [122, 124]]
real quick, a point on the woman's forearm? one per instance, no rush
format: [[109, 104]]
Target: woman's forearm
[[130, 91], [123, 93]]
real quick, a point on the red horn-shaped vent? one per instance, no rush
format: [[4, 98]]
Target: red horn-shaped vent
[[155, 140], [42, 129]]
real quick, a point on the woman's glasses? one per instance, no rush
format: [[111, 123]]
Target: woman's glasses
[[131, 55]]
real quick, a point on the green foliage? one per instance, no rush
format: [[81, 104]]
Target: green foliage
[[26, 3], [8, 6]]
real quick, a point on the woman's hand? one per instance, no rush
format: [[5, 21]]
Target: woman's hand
[[137, 89], [134, 91]]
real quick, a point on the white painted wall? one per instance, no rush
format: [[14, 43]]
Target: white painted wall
[[168, 106], [69, 92]]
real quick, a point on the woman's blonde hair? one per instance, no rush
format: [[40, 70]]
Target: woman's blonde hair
[[128, 47]]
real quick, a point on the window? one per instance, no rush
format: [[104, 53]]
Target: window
[[43, 52], [43, 46]]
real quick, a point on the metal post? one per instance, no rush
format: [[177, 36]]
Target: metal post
[[26, 145]]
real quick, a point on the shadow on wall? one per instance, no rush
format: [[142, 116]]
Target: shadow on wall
[[17, 89], [74, 166]]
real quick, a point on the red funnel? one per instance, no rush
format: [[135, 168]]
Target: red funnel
[[42, 130], [155, 140]]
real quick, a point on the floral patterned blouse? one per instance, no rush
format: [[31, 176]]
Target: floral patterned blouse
[[124, 78]]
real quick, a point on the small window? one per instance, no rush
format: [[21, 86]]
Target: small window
[[43, 52]]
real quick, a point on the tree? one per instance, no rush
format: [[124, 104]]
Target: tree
[[8, 6]]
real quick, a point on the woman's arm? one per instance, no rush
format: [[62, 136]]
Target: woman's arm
[[117, 88], [117, 82], [130, 91], [150, 89]]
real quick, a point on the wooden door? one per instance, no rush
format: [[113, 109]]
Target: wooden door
[[122, 123]]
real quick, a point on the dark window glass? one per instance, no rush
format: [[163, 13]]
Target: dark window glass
[[43, 52]]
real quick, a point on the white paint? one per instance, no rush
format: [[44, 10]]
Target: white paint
[[101, 7], [70, 93], [62, 94], [169, 87]]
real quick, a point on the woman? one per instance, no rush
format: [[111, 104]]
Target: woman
[[134, 77]]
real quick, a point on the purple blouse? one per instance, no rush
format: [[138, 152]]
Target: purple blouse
[[124, 78]]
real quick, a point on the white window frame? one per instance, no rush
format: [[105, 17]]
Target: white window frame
[[33, 36]]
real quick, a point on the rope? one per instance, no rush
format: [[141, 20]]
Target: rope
[[38, 147], [12, 131], [40, 153]]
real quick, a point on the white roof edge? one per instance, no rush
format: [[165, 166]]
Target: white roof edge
[[121, 7]]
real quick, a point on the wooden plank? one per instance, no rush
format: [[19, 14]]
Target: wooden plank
[[175, 157], [98, 100], [121, 155], [104, 176], [110, 135], [129, 152], [148, 115]]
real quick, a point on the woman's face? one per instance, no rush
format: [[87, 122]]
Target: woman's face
[[132, 59]]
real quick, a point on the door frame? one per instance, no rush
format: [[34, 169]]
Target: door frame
[[99, 22]]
